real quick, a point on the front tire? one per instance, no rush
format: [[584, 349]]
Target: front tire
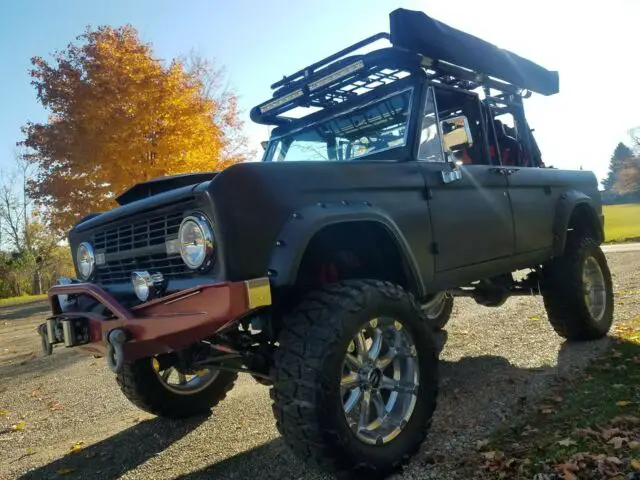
[[355, 378], [171, 393], [578, 292]]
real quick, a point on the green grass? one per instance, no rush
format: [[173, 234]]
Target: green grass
[[621, 222], [571, 424], [8, 302]]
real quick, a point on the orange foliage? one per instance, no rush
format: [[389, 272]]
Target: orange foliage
[[628, 181], [119, 116]]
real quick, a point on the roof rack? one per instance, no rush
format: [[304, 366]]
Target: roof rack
[[446, 55], [311, 69], [335, 80]]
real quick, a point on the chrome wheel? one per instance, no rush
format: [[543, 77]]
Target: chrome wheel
[[184, 383], [594, 288], [379, 384]]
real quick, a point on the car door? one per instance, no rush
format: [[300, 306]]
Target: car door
[[470, 217], [470, 210]]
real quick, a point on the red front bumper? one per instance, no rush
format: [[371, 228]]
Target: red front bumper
[[160, 325]]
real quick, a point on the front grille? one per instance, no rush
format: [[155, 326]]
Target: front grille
[[139, 234], [144, 239], [120, 270]]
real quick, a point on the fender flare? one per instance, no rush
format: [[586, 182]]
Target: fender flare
[[306, 222], [567, 203]]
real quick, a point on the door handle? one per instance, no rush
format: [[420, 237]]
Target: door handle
[[453, 174], [449, 176]]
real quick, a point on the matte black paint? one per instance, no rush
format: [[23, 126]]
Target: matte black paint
[[163, 184], [567, 204], [252, 207], [254, 222], [470, 224], [307, 222]]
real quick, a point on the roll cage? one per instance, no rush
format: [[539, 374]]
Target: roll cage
[[423, 52]]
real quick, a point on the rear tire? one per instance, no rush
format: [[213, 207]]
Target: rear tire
[[143, 386], [311, 389], [578, 292]]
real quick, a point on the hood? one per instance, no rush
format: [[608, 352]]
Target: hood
[[162, 184]]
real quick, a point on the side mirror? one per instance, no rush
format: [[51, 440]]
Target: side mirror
[[264, 144], [456, 133]]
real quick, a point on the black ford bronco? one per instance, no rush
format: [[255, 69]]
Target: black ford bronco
[[393, 181]]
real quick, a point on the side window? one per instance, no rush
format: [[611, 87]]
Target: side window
[[430, 149]]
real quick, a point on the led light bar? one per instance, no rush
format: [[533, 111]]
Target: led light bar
[[343, 72], [281, 101]]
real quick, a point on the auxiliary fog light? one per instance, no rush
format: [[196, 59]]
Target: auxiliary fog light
[[142, 285]]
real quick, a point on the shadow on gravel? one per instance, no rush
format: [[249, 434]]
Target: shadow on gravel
[[268, 461], [19, 312], [116, 455]]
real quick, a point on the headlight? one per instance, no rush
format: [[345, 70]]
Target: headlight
[[85, 259], [196, 241]]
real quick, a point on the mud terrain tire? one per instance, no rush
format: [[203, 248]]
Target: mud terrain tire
[[308, 400], [142, 386], [568, 288]]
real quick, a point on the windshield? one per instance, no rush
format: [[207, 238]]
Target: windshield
[[373, 128]]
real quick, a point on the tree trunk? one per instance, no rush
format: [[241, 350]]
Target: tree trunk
[[15, 287], [37, 283]]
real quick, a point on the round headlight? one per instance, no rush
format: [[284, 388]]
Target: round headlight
[[85, 259], [196, 241]]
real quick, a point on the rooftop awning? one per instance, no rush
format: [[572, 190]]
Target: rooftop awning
[[420, 33]]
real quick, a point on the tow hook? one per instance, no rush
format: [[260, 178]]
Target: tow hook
[[115, 351], [47, 348]]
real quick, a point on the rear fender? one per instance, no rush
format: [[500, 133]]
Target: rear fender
[[305, 223], [567, 205]]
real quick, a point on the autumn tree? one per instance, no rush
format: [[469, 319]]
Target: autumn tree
[[226, 116], [628, 180], [120, 116]]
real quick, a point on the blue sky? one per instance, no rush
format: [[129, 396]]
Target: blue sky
[[592, 44]]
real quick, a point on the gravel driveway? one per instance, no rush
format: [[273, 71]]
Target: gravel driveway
[[495, 362]]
